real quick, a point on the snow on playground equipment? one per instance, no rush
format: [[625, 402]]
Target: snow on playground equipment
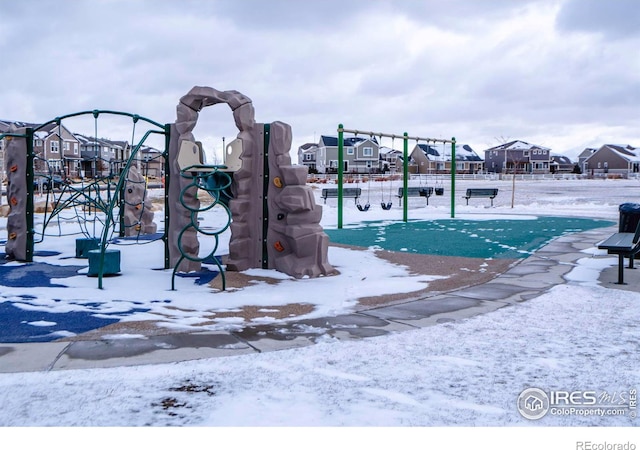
[[97, 207], [276, 222], [405, 156]]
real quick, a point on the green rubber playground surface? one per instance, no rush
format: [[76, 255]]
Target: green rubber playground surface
[[511, 239]]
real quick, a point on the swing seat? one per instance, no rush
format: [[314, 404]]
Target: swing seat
[[363, 208], [386, 206], [439, 191]]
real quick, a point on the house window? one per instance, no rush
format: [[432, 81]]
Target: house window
[[105, 149], [65, 146], [308, 157], [55, 147], [350, 150], [333, 164], [75, 148], [367, 151], [526, 153]]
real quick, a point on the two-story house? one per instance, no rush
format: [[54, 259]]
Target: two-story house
[[151, 162], [390, 160], [103, 157], [360, 155], [517, 157], [434, 159], [613, 159], [56, 149], [307, 156]]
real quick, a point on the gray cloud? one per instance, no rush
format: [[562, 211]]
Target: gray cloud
[[469, 68], [612, 18]]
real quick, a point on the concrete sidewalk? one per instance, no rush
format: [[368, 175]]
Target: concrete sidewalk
[[526, 280]]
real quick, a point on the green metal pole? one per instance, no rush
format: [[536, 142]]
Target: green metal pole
[[167, 183], [405, 170], [453, 177], [340, 171], [29, 207]]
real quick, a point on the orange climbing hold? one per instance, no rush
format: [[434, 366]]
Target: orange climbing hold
[[138, 206], [278, 246], [278, 182], [13, 168], [12, 236], [14, 201]]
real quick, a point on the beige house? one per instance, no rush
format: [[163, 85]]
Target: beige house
[[613, 159]]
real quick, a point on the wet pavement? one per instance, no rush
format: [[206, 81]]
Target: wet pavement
[[528, 279]]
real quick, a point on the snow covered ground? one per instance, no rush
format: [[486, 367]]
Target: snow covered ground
[[580, 336]]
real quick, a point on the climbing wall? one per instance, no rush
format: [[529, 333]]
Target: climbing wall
[[294, 241], [138, 214], [275, 220], [17, 195], [187, 117]]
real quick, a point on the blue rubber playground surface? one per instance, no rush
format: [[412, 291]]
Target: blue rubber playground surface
[[51, 299], [503, 238]]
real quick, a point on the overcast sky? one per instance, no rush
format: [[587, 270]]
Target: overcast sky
[[560, 73]]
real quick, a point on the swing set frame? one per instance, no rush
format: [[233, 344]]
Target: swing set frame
[[405, 166]]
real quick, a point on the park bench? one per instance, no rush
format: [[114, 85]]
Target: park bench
[[415, 192], [353, 193], [481, 192], [624, 245]]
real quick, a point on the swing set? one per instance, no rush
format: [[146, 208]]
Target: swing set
[[387, 205]]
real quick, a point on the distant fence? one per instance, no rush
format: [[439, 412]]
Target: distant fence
[[364, 178]]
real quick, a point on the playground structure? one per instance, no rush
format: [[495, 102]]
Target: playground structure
[[405, 167], [276, 222]]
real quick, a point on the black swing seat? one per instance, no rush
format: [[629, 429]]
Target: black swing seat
[[386, 206], [363, 208]]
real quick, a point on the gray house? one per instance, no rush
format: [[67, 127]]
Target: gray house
[[613, 159], [517, 157], [361, 155]]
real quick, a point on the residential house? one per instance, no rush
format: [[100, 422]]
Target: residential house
[[307, 156], [360, 155], [433, 159], [613, 159], [582, 157], [103, 157], [517, 157], [56, 149], [151, 162], [390, 160], [561, 164]]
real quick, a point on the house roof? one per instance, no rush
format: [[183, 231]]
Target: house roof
[[463, 153], [561, 159], [332, 141], [628, 152], [587, 152], [517, 145]]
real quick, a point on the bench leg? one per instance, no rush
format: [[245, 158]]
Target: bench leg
[[620, 269], [631, 262]]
